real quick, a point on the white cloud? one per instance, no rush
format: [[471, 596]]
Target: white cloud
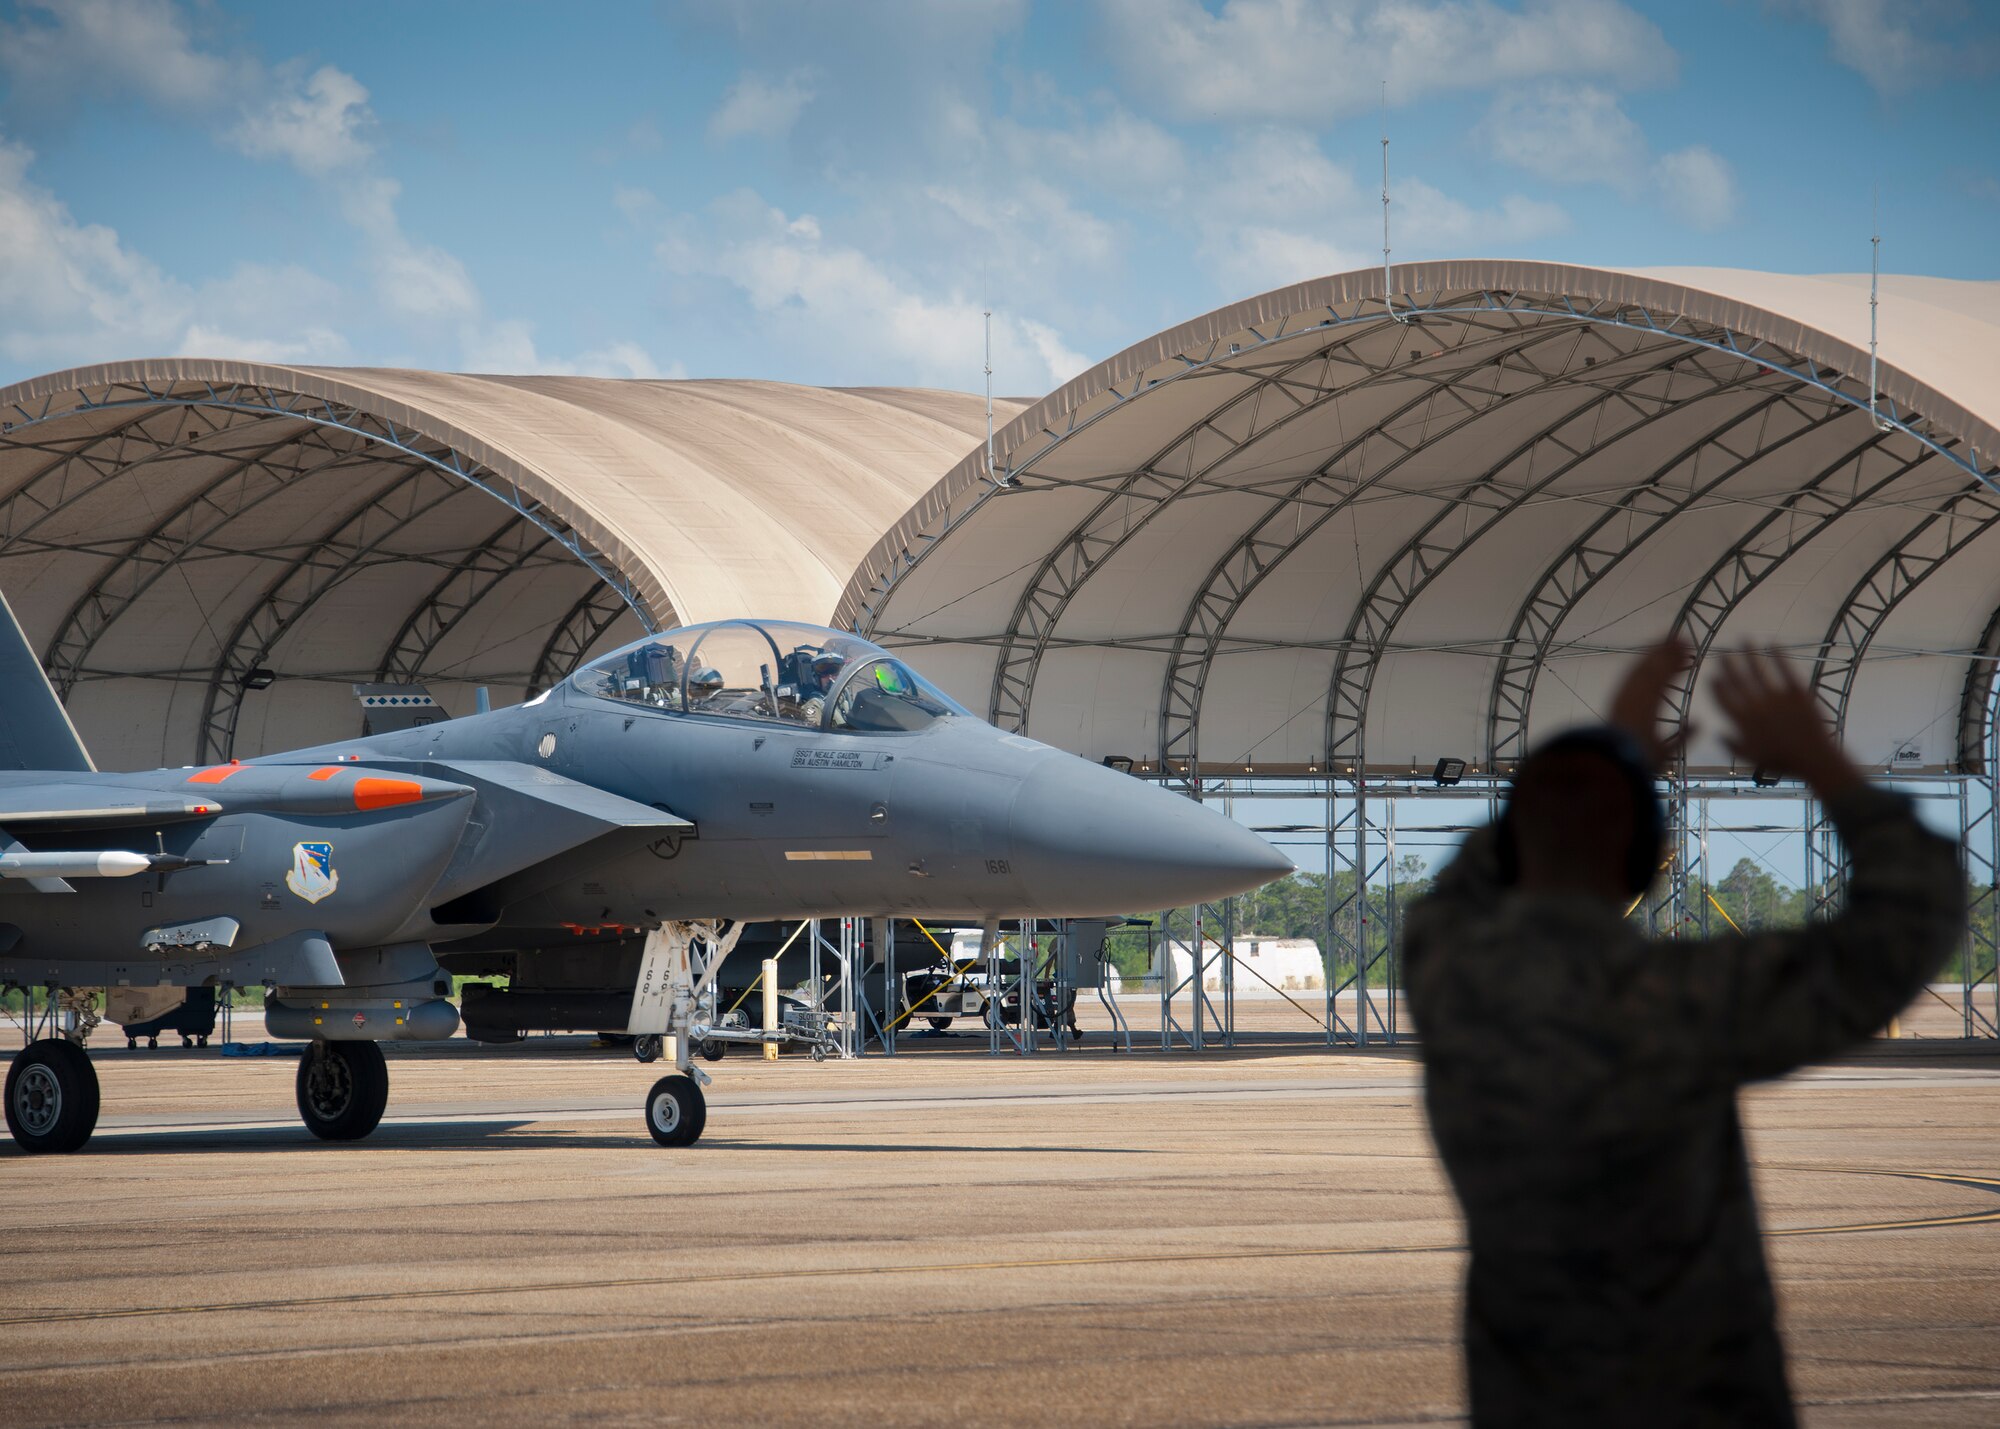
[[413, 280], [761, 108], [855, 317], [1567, 133], [317, 127], [1036, 215], [1697, 184], [75, 293], [1284, 60], [124, 47], [1880, 39], [1579, 134], [1283, 212]]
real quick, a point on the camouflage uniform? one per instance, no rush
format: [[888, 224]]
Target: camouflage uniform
[[1581, 1083]]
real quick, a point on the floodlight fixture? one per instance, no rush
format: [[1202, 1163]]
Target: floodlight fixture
[[1763, 778], [1120, 762], [258, 677], [1448, 772]]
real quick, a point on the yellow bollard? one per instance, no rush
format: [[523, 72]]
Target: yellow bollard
[[1895, 1027], [770, 981]]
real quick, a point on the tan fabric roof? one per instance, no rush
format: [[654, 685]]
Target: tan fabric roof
[[166, 522], [1296, 533]]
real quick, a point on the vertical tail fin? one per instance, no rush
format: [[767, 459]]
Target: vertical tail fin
[[35, 732]]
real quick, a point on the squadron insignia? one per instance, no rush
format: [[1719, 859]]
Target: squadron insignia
[[312, 876]]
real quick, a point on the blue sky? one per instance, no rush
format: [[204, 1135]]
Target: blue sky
[[832, 192]]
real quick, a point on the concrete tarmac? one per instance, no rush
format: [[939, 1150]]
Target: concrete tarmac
[[1260, 1237]]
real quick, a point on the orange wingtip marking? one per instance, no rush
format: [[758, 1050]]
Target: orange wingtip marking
[[386, 793], [216, 775], [326, 773]]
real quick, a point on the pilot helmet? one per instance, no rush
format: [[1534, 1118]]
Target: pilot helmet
[[826, 665], [705, 681]]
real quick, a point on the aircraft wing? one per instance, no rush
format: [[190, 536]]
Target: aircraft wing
[[527, 816], [44, 802]]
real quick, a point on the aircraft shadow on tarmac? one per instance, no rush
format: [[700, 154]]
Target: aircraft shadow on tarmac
[[510, 1134]]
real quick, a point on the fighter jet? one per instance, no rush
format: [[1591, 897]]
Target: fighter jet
[[683, 785]]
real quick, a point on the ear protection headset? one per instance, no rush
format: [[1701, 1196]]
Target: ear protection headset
[[1649, 824]]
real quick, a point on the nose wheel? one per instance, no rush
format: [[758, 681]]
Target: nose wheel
[[676, 1111], [342, 1088], [51, 1096]]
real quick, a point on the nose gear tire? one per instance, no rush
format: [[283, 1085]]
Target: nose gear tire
[[343, 1088], [51, 1096], [676, 1111]]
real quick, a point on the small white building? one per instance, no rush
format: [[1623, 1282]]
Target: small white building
[[1262, 965]]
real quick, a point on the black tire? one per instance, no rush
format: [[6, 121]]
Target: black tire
[[647, 1046], [939, 1024], [51, 1096], [676, 1111], [152, 1044], [712, 1048], [342, 1089]]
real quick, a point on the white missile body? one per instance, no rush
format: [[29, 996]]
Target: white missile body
[[86, 863]]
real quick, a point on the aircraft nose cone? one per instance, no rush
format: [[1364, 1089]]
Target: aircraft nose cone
[[1099, 842]]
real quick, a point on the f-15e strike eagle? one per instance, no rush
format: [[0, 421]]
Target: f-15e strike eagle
[[701, 778]]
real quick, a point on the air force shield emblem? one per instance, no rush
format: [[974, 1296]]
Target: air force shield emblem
[[312, 876]]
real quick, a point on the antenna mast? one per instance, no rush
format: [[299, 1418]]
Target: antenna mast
[[1874, 285], [989, 392], [1388, 301]]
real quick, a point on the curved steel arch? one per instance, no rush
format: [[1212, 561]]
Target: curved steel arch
[[305, 580], [1241, 569], [24, 493], [1141, 494], [595, 612], [1411, 569], [1645, 511], [1744, 567], [455, 596], [1020, 680], [1978, 707], [1918, 555], [326, 412], [950, 510], [146, 558]]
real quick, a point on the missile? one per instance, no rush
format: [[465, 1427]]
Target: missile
[[95, 863]]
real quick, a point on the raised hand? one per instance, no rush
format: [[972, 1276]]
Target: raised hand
[[1776, 724], [1641, 697]]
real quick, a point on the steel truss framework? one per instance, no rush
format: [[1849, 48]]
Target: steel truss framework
[[1361, 1001], [1778, 397], [269, 440], [1810, 395]]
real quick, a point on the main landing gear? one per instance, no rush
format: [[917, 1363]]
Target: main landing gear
[[51, 1096], [343, 1088]]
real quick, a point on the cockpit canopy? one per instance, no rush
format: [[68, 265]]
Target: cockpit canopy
[[769, 670]]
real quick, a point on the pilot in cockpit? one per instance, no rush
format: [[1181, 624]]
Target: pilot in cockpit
[[653, 674], [822, 677]]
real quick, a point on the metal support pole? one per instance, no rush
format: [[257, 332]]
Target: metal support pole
[[1363, 954], [1391, 928], [769, 980], [1979, 818], [1329, 940], [891, 989]]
